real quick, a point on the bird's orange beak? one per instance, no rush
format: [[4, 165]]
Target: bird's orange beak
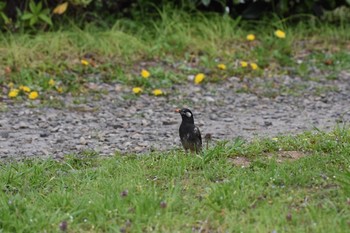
[[177, 110]]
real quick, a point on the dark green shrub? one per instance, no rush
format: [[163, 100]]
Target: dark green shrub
[[40, 14]]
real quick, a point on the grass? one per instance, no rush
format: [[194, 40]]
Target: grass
[[174, 192], [172, 47], [171, 191]]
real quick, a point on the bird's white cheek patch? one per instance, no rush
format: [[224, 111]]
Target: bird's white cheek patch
[[188, 114]]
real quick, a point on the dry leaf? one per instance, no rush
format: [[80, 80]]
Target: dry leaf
[[61, 8]]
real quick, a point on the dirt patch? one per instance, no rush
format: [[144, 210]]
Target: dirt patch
[[240, 161], [282, 156]]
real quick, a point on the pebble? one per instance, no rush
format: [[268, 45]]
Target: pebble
[[4, 134], [83, 141], [44, 134]]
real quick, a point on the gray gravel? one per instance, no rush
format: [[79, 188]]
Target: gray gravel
[[118, 123]]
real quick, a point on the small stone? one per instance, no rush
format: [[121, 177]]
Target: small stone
[[118, 126], [44, 134], [143, 144], [228, 119], [59, 140], [209, 99], [144, 122], [213, 117], [190, 78], [169, 122], [267, 123], [21, 125], [54, 129], [83, 141], [136, 136], [138, 148], [118, 88], [127, 144], [79, 147], [4, 134]]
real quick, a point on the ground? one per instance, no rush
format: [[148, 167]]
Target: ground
[[118, 121]]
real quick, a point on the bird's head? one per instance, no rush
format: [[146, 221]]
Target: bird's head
[[186, 115]]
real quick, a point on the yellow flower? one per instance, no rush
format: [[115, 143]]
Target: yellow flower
[[10, 85], [13, 93], [280, 34], [157, 92], [137, 90], [199, 78], [222, 66], [52, 82], [274, 139], [254, 66], [59, 89], [244, 63], [24, 88], [84, 62], [33, 95], [145, 73], [251, 37]]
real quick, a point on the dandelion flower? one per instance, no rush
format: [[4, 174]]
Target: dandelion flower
[[10, 85], [199, 78], [137, 90], [33, 95], [84, 62], [24, 88], [251, 37], [274, 139], [59, 89], [13, 93], [254, 66], [222, 66], [244, 63], [157, 92], [280, 34], [52, 82], [145, 73]]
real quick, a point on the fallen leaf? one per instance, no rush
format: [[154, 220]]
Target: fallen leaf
[[61, 8]]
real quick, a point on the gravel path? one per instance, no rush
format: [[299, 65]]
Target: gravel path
[[116, 123]]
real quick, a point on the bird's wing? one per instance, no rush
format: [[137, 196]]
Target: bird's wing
[[198, 134]]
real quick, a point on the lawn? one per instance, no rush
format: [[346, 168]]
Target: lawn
[[175, 192]]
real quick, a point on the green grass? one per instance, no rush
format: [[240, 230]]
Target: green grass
[[174, 192], [172, 47]]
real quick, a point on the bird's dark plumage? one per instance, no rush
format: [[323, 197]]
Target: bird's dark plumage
[[189, 133]]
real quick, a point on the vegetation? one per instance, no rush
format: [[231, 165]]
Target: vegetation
[[285, 184], [15, 14], [217, 46], [170, 192]]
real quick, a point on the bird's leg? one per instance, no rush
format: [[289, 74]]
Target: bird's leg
[[207, 138]]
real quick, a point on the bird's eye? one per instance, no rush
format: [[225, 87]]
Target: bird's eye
[[188, 114]]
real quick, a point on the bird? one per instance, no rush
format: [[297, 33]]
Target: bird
[[190, 135]]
